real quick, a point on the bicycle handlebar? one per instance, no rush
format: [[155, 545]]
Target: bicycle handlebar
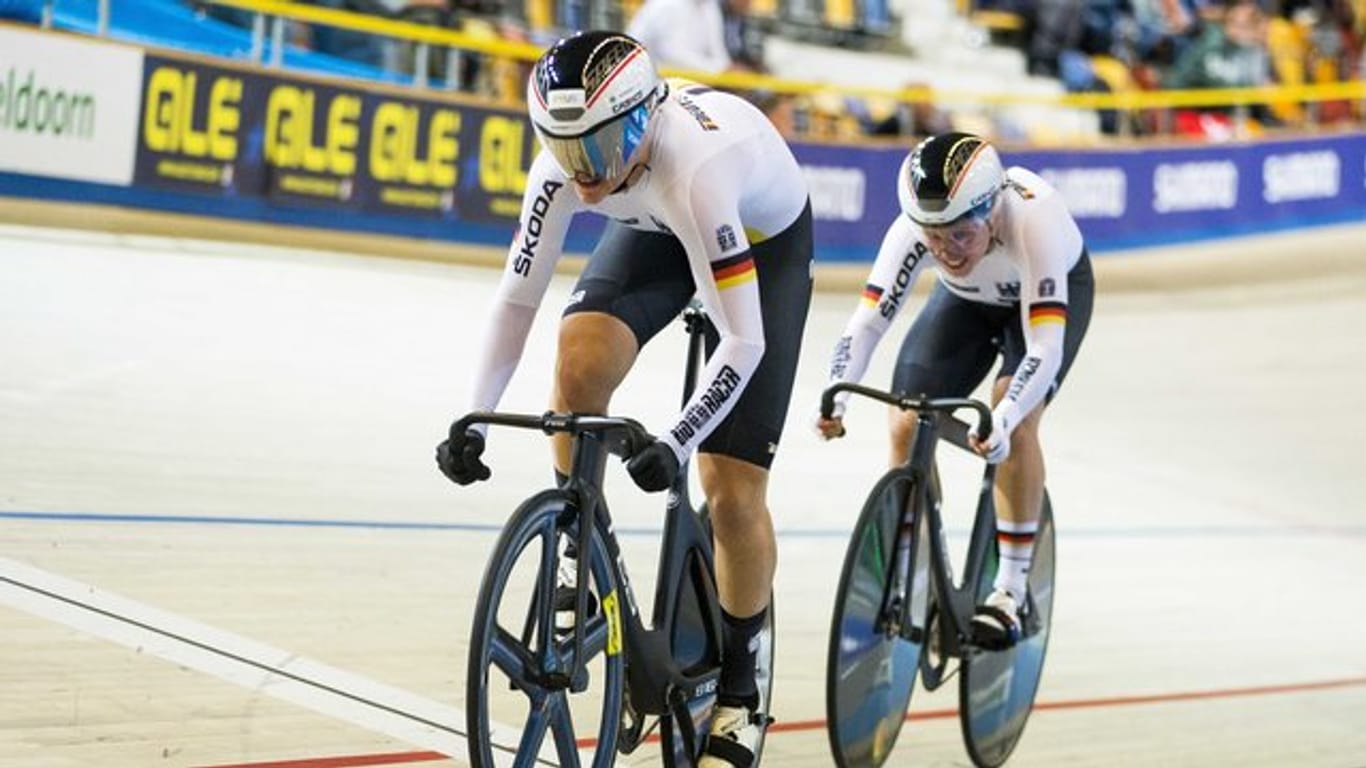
[[624, 437], [945, 405]]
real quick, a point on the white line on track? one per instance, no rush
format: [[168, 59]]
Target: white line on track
[[255, 666]]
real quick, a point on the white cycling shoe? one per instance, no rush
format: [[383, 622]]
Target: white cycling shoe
[[998, 622], [735, 735]]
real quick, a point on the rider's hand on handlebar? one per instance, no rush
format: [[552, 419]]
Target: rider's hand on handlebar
[[654, 468], [996, 448], [458, 457], [830, 428]]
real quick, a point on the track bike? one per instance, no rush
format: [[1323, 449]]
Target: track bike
[[900, 612], [605, 683]]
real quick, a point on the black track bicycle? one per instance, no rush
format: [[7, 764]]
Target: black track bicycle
[[900, 612], [538, 694]]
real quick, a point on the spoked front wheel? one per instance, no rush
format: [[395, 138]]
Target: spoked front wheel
[[997, 688], [527, 697], [878, 630]]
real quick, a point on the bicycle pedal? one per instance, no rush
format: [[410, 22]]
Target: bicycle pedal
[[565, 597]]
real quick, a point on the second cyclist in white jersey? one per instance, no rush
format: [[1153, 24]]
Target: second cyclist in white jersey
[[1015, 283], [704, 199]]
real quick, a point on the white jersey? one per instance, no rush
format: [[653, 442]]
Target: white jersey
[[719, 177], [1037, 244]]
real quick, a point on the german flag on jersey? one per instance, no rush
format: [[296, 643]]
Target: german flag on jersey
[[1046, 312], [733, 271], [871, 295]]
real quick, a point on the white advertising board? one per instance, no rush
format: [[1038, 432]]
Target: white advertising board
[[68, 107]]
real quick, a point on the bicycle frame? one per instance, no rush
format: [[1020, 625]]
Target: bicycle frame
[[676, 659], [655, 679], [960, 598], [933, 423]]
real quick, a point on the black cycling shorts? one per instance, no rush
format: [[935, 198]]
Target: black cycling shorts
[[643, 279], [953, 342]]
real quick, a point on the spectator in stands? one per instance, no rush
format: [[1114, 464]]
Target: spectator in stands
[[685, 34], [744, 39], [1228, 54], [360, 47]]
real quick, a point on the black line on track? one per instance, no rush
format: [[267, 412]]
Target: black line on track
[[257, 664]]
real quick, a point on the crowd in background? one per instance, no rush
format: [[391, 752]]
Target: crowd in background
[[1087, 45], [1117, 45]]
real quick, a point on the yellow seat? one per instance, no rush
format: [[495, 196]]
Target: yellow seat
[[1114, 73], [1289, 49]]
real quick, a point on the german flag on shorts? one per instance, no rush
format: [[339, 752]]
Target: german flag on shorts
[[871, 295], [1047, 312], [733, 271]]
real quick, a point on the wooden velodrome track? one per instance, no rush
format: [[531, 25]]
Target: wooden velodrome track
[[225, 543]]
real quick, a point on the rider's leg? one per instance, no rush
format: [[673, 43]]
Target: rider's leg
[[746, 556], [902, 429], [596, 350], [1019, 500]]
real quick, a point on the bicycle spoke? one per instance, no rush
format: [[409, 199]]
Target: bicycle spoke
[[537, 721], [595, 633], [550, 696], [511, 657], [562, 728]]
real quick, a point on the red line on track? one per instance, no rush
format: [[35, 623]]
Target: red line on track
[[397, 758]]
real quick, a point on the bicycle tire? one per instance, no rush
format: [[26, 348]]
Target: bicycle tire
[[517, 593], [997, 689], [871, 671], [675, 755]]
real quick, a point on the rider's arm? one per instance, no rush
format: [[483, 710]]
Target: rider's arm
[[899, 260], [705, 217], [1048, 243], [548, 205]]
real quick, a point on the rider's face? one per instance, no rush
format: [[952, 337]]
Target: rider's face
[[959, 246], [594, 189]]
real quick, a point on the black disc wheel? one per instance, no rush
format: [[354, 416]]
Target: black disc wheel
[[526, 696], [997, 688], [682, 753], [877, 633]]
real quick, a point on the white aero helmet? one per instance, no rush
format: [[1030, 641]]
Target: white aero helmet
[[949, 176], [590, 98]]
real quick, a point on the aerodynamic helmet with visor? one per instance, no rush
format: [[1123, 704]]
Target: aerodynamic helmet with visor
[[948, 178], [590, 99]]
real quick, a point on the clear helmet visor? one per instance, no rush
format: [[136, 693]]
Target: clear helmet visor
[[605, 151]]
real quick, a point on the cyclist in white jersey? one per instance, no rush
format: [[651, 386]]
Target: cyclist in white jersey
[[704, 199], [1014, 281]]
